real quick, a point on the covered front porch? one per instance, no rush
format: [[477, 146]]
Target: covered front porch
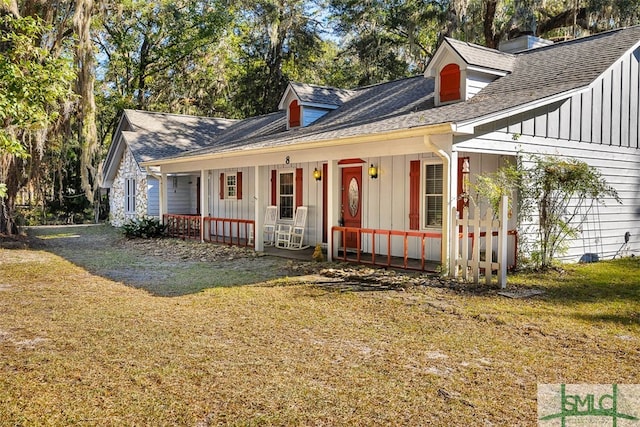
[[240, 232], [390, 208]]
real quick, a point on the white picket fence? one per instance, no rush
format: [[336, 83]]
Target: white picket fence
[[480, 231]]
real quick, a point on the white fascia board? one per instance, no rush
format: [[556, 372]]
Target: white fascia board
[[615, 63], [468, 126], [491, 71], [281, 105], [323, 106], [113, 159], [444, 49], [441, 128]]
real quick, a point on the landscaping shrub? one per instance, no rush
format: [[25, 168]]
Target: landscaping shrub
[[145, 228]]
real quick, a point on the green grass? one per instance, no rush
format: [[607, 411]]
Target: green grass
[[77, 348]]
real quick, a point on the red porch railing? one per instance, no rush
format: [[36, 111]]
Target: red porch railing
[[375, 257], [183, 226], [229, 231]]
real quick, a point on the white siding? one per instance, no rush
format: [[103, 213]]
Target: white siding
[[476, 82], [620, 166], [153, 196], [245, 208], [386, 204], [600, 126], [310, 115], [181, 195]]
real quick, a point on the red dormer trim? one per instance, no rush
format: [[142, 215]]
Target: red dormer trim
[[450, 83], [294, 114]]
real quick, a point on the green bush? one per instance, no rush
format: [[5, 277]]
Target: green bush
[[145, 228]]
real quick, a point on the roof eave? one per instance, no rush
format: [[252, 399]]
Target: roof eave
[[317, 105], [493, 71], [289, 88], [111, 160], [441, 128]]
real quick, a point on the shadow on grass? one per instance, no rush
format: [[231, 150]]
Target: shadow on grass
[[623, 319], [100, 250]]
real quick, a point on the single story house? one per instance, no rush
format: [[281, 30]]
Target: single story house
[[381, 167]]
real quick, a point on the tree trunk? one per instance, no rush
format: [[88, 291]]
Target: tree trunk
[[491, 39], [85, 88]]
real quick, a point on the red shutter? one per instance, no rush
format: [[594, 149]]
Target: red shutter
[[239, 185], [414, 195], [298, 187], [294, 114], [450, 83], [222, 185], [274, 187]]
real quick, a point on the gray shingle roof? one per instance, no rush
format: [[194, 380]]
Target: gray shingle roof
[[155, 135], [536, 74], [362, 113], [481, 56], [313, 94]]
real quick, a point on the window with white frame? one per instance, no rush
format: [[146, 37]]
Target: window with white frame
[[433, 194], [130, 196], [286, 195], [231, 186]]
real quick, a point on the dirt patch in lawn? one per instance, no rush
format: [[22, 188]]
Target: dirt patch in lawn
[[170, 267], [166, 267]]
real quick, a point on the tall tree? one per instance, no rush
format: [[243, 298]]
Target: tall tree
[[33, 85], [152, 48], [278, 39]]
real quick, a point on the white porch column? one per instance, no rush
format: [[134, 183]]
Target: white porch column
[[260, 205], [452, 202], [333, 205], [204, 201], [204, 193], [163, 196]]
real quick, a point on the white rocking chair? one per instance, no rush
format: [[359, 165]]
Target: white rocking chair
[[269, 226], [290, 236]]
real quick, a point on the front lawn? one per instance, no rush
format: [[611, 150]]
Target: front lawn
[[78, 348]]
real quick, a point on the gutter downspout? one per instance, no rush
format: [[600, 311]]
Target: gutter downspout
[[448, 187]]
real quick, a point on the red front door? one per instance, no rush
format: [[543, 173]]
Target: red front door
[[351, 208]]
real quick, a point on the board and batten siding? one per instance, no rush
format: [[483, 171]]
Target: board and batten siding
[[245, 208], [600, 126], [606, 113], [386, 204]]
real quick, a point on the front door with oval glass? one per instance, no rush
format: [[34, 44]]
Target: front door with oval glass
[[351, 207]]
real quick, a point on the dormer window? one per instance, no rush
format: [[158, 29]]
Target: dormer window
[[294, 114], [450, 83]]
